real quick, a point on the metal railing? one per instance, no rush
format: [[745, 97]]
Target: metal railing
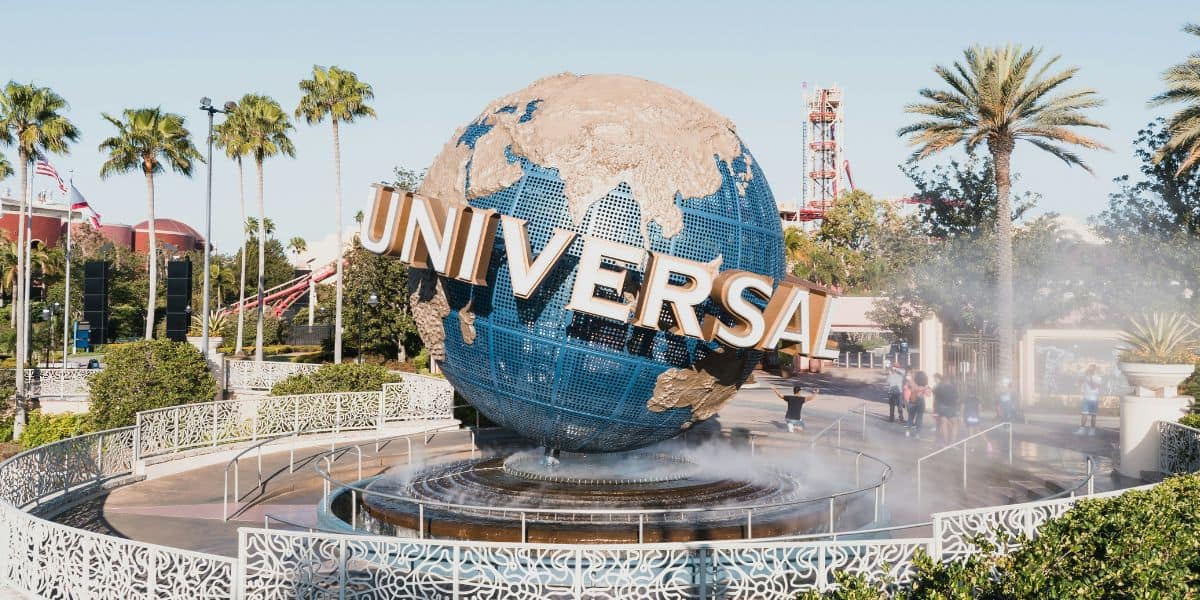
[[251, 375], [836, 425], [1178, 448], [642, 517], [963, 443]]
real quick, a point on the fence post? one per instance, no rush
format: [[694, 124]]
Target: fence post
[[137, 441], [379, 425], [175, 434], [215, 424], [702, 572], [295, 414]]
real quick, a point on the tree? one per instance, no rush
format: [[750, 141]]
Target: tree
[[264, 126], [5, 168], [31, 118], [959, 198], [277, 268], [998, 96], [231, 138], [1183, 86], [146, 375], [297, 246], [1161, 203], [339, 95], [146, 139], [387, 328]]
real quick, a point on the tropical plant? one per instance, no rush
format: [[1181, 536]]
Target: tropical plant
[[5, 168], [264, 126], [1183, 86], [231, 138], [45, 429], [297, 245], [1160, 338], [31, 119], [999, 96], [146, 139], [145, 375], [338, 95], [252, 227]]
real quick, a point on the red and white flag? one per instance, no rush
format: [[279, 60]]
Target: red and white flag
[[79, 203], [43, 167]]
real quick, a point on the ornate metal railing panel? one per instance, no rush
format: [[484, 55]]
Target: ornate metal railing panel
[[1178, 448], [417, 397], [188, 426], [57, 561], [60, 382], [255, 375]]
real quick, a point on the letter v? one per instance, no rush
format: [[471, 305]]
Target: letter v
[[526, 275]]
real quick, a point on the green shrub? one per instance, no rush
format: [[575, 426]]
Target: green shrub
[[146, 375], [6, 429], [421, 361], [346, 377], [45, 429], [1141, 544], [1191, 420]]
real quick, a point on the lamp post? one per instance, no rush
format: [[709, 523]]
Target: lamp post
[[206, 106], [48, 315], [372, 301]]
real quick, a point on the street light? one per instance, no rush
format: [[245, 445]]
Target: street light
[[372, 301], [206, 106], [48, 315]]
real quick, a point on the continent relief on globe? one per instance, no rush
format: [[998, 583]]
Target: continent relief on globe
[[621, 188]]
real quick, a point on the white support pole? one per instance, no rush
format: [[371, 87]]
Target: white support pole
[[67, 284]]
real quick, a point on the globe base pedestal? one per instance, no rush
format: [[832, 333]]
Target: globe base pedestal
[[1139, 430]]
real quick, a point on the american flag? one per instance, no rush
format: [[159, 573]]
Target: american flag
[[43, 167]]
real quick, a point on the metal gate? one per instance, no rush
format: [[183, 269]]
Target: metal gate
[[971, 360]]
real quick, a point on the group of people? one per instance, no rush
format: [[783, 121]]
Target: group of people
[[910, 392]]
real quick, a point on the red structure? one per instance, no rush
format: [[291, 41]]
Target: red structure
[[49, 225]]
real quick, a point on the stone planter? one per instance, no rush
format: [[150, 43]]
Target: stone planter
[[1156, 398], [214, 342], [1156, 380]]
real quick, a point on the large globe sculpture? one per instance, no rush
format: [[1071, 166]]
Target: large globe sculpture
[[626, 160]]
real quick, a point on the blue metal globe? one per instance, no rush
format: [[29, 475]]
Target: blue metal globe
[[568, 380]]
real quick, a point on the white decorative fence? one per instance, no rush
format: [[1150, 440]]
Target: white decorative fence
[[51, 560], [48, 559], [176, 428], [57, 382], [1178, 448], [249, 375]]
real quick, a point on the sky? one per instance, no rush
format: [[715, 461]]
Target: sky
[[435, 65]]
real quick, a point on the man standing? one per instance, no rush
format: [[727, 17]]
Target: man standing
[[1091, 401], [945, 404], [895, 383]]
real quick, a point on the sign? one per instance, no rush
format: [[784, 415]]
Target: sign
[[456, 241]]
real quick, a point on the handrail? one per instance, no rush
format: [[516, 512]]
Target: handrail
[[235, 461], [838, 423], [963, 443]]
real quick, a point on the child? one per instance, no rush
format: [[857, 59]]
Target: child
[[1090, 403]]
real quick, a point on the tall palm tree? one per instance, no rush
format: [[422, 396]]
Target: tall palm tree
[[228, 136], [999, 96], [265, 126], [1183, 86], [146, 139], [339, 95], [31, 119], [297, 245]]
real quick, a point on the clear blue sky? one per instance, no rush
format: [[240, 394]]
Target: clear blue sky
[[434, 65]]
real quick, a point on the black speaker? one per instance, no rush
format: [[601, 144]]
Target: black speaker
[[95, 299], [179, 296]]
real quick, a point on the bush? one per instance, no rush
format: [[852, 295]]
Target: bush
[[272, 331], [421, 361], [45, 429], [146, 375], [1191, 420], [1141, 544], [346, 377]]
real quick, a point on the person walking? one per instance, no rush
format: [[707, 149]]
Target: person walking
[[945, 404], [1090, 403], [895, 392], [918, 396], [1006, 405]]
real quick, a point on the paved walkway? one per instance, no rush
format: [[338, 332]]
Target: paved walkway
[[185, 509]]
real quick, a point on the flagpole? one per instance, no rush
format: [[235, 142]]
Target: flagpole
[[67, 290], [27, 276]]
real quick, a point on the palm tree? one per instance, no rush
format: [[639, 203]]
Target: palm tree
[[264, 125], [229, 138], [339, 95], [5, 168], [31, 118], [1183, 85], [252, 227], [297, 245], [146, 138], [998, 96]]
